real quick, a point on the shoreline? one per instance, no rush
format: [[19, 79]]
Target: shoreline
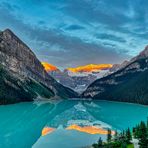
[[90, 99]]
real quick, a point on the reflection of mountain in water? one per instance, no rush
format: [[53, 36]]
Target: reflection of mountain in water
[[74, 127], [62, 138], [78, 115]]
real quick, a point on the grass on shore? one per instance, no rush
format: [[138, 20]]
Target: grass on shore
[[130, 146]]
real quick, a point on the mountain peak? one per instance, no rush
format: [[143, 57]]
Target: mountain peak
[[8, 31], [90, 68], [49, 67], [9, 34], [144, 53], [11, 37]]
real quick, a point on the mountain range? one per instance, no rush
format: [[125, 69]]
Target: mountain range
[[129, 82], [23, 78], [77, 78]]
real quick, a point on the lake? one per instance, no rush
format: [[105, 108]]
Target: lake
[[21, 124]]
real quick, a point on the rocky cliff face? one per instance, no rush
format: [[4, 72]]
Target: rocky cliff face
[[129, 83], [20, 62], [116, 67], [18, 58], [75, 82]]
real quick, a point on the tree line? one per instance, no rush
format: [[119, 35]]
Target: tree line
[[124, 139]]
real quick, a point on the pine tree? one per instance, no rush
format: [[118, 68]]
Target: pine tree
[[109, 136], [147, 126], [122, 139], [134, 132], [116, 136], [100, 142], [143, 142], [128, 136]]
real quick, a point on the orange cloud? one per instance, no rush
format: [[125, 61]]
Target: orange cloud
[[90, 68], [49, 67]]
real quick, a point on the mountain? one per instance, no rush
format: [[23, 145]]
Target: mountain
[[128, 84], [23, 77], [90, 68], [77, 78], [49, 67], [116, 67]]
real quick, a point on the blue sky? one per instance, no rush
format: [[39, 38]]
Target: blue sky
[[69, 33]]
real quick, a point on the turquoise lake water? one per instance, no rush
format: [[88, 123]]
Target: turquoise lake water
[[21, 124]]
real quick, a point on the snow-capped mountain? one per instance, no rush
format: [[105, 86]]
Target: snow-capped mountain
[[78, 78]]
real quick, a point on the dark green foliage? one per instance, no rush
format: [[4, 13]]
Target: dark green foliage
[[124, 139], [134, 90], [116, 136], [147, 126], [143, 139], [95, 145], [100, 142], [109, 145], [128, 136], [41, 89], [130, 86], [140, 132], [109, 136], [119, 140], [65, 92], [136, 131]]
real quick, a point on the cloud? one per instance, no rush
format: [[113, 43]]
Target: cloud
[[68, 33], [8, 6], [110, 37], [74, 27]]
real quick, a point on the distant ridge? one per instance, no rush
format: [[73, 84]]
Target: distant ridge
[[128, 84], [80, 77]]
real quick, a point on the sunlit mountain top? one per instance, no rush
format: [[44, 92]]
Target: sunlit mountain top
[[86, 68], [90, 68], [49, 67]]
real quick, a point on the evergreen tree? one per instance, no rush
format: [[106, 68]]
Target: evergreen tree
[[134, 132], [143, 142], [147, 126], [100, 142], [109, 136], [122, 139], [128, 136], [95, 145], [116, 136], [138, 131]]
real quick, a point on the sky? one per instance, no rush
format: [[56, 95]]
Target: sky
[[69, 33]]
